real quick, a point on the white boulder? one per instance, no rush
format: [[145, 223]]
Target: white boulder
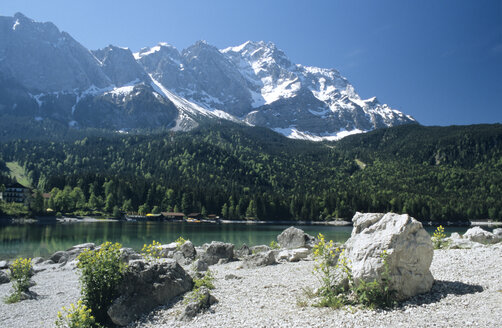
[[461, 243], [295, 238], [408, 246], [293, 255], [479, 235]]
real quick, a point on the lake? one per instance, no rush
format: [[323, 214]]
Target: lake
[[32, 240]]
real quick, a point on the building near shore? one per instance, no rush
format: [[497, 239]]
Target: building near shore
[[15, 193], [173, 215]]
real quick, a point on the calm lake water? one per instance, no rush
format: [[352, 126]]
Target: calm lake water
[[32, 240]]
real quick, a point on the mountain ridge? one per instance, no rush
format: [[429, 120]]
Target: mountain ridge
[[255, 83]]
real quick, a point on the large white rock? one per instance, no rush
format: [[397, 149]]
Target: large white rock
[[479, 235], [408, 245], [461, 243], [292, 238], [293, 255]]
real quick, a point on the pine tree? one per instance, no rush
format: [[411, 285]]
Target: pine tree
[[224, 211], [251, 210]]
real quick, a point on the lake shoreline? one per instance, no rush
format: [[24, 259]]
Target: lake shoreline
[[463, 295], [76, 219]]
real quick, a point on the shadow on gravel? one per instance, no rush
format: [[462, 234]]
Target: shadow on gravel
[[441, 289], [153, 316]]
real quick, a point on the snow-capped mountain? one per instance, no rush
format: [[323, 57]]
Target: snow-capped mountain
[[45, 73], [258, 84]]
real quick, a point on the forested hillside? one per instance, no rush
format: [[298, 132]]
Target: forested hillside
[[432, 173]]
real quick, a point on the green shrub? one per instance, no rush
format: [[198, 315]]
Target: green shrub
[[21, 271], [78, 316], [152, 252], [330, 264], [206, 281], [274, 245], [376, 294], [438, 238], [195, 295], [325, 256], [179, 242], [102, 272]]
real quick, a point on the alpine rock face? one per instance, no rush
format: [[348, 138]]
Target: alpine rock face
[[45, 73]]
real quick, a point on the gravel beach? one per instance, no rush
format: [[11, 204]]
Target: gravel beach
[[467, 293]]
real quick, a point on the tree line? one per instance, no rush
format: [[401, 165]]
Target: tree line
[[451, 173]]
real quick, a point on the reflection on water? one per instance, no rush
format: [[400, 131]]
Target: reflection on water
[[32, 240]]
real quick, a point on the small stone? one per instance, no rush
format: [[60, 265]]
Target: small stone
[[231, 276], [4, 278], [243, 251], [259, 259], [200, 265], [37, 260], [59, 257], [259, 249], [203, 300], [81, 247]]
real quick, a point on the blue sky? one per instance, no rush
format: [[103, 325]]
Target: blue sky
[[439, 61]]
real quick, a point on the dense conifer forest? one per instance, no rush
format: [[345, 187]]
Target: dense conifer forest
[[433, 173]]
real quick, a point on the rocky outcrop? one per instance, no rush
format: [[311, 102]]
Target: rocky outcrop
[[408, 246], [216, 251], [243, 251], [481, 236], [145, 287], [185, 254], [295, 238], [259, 259]]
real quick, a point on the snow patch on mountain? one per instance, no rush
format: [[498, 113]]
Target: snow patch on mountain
[[16, 24], [148, 51], [189, 111], [293, 133]]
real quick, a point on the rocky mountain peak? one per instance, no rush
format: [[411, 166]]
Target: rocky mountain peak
[[120, 65], [43, 59], [263, 52], [200, 48], [161, 49]]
